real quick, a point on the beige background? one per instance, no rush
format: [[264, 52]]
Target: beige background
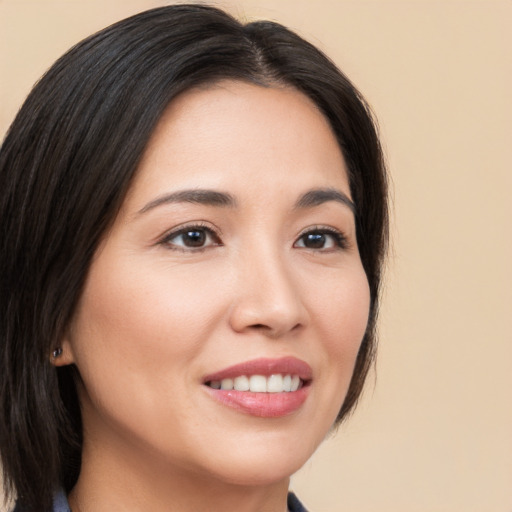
[[434, 432]]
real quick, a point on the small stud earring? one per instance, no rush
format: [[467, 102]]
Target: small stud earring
[[57, 353]]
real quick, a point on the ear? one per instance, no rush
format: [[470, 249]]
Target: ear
[[62, 355]]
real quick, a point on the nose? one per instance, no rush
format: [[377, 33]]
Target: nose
[[268, 299]]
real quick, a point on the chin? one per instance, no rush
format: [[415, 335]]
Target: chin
[[262, 460], [260, 473]]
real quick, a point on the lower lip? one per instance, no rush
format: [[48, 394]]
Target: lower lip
[[263, 405]]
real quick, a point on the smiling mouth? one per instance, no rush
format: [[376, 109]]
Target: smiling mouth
[[265, 388], [276, 383]]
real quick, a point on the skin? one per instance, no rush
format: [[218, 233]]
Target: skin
[[158, 315]]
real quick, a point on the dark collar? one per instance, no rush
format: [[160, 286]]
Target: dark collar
[[294, 505]]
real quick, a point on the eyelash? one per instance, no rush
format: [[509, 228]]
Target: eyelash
[[198, 228], [338, 238]]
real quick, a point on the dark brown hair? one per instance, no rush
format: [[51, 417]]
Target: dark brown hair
[[65, 166]]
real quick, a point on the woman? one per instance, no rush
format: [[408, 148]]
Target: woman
[[193, 219]]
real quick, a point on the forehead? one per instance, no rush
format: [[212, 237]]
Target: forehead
[[242, 137]]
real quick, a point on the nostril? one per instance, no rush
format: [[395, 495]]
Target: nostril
[[263, 315], [272, 331]]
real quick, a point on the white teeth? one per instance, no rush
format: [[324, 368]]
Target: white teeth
[[241, 383], [276, 383], [258, 384], [226, 384]]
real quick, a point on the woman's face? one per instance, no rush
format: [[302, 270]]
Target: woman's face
[[233, 262]]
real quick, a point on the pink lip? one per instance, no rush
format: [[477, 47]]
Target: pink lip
[[264, 405], [266, 367]]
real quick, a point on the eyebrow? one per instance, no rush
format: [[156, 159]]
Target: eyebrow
[[310, 199], [198, 196], [319, 196]]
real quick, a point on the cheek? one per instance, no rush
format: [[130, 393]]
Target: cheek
[[140, 329], [341, 310], [352, 306], [136, 313], [134, 339]]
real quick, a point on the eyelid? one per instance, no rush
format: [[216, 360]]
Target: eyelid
[[341, 240], [190, 226]]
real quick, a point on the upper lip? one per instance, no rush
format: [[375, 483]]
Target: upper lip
[[266, 367]]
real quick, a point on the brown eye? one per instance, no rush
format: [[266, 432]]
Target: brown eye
[[321, 239], [314, 240], [194, 237]]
